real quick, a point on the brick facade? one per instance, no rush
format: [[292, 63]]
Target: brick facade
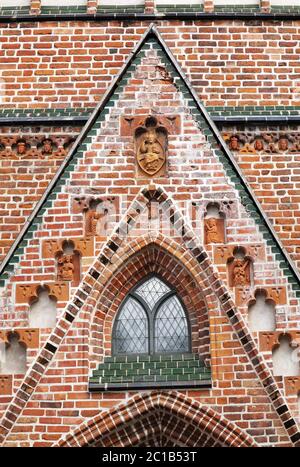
[[125, 220]]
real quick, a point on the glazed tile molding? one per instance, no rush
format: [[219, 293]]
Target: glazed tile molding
[[268, 114]]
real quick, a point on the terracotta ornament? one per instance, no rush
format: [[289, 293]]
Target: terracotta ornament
[[150, 153], [214, 230], [92, 219], [65, 268], [240, 272], [21, 147], [47, 146]]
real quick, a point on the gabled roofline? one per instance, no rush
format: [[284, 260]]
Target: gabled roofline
[[151, 31]]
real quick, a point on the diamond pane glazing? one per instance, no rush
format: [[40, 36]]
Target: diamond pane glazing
[[171, 327], [131, 332], [152, 290]]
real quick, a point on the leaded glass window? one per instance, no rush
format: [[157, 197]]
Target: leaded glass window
[[151, 320]]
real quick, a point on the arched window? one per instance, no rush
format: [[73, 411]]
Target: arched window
[[151, 320]]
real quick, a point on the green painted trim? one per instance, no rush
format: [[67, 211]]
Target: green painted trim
[[214, 111], [253, 111], [237, 8], [62, 10], [120, 9], [47, 113], [179, 8], [14, 10], [285, 9]]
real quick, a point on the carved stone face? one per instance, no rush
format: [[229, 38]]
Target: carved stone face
[[259, 145], [283, 144], [47, 146], [234, 143], [21, 147]]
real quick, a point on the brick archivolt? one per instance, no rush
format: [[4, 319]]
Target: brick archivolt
[[192, 424], [110, 259], [148, 255]]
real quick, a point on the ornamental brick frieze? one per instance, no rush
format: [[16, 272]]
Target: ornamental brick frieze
[[245, 295], [29, 337], [5, 385], [254, 251], [52, 247], [255, 140], [27, 293], [292, 385], [268, 340], [34, 146]]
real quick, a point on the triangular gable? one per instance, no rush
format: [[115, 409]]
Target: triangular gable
[[208, 127]]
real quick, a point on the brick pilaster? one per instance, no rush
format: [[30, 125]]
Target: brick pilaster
[[91, 7], [150, 6], [35, 7], [208, 6], [265, 6]]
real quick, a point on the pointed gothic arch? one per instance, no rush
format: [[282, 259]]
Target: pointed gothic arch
[[176, 266], [174, 416]]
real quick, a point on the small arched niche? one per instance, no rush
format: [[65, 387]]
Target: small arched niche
[[14, 356], [214, 224], [261, 313], [240, 268], [43, 311], [285, 358], [68, 263]]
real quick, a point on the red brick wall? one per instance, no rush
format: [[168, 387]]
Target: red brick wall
[[229, 62], [60, 400]]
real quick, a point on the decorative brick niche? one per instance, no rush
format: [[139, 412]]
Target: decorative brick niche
[[99, 214], [150, 135], [268, 340], [239, 267], [129, 124], [26, 293], [214, 224], [246, 295], [85, 246], [29, 337], [254, 251]]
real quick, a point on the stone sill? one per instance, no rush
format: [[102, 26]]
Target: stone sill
[[96, 387]]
